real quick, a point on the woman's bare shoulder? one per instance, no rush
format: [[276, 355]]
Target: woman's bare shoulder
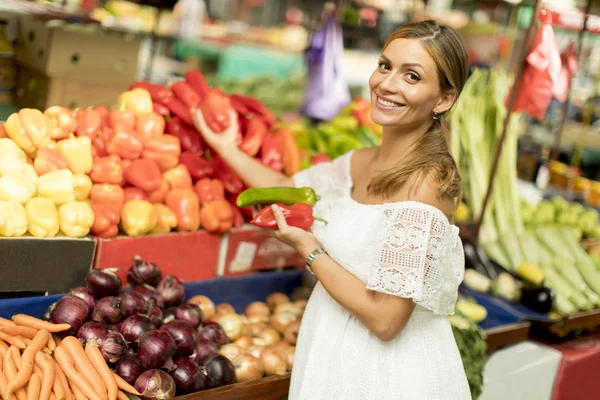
[[361, 158]]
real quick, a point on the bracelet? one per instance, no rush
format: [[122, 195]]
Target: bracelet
[[312, 256]]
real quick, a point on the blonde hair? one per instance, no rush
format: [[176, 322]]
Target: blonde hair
[[430, 155]]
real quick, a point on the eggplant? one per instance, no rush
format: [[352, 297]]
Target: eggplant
[[538, 299], [474, 259]]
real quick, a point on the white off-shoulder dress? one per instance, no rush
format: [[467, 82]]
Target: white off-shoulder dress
[[406, 249]]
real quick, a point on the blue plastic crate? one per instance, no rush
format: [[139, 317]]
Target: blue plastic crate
[[237, 291]]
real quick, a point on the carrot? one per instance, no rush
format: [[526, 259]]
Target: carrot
[[6, 322], [3, 348], [45, 363], [33, 387], [14, 340], [3, 385], [51, 343], [32, 322], [122, 396], [27, 341], [10, 369], [65, 361], [57, 386], [52, 396], [39, 341], [64, 382], [78, 394], [57, 340], [37, 370], [16, 356], [84, 365], [24, 331], [124, 386], [97, 360]]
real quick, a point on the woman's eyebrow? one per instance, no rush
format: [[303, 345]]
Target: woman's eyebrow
[[413, 65]]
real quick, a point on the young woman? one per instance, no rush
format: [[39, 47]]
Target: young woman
[[389, 261]]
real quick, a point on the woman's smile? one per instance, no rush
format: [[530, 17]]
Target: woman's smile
[[385, 104]]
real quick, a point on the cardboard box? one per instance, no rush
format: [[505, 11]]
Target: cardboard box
[[36, 90], [250, 249], [8, 73], [76, 52], [189, 256], [35, 266]]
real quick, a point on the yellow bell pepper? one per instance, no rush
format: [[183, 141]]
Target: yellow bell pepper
[[42, 217], [29, 171], [17, 185], [77, 151], [13, 220], [11, 156], [76, 218], [138, 217], [56, 186], [136, 100], [28, 128], [167, 220], [82, 186]]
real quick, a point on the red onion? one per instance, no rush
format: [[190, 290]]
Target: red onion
[[70, 310], [155, 350], [132, 303], [84, 294], [149, 294], [113, 347], [103, 282], [155, 314], [115, 327], [184, 334], [95, 331], [169, 315], [213, 331], [205, 349], [108, 309], [190, 313], [155, 384], [171, 290], [46, 315], [220, 371], [189, 377], [135, 326], [143, 272], [129, 368]]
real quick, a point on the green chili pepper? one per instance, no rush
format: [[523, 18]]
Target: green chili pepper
[[273, 195]]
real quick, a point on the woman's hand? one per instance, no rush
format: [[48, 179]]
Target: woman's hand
[[303, 241], [222, 141]]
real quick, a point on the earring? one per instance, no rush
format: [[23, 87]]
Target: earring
[[435, 115]]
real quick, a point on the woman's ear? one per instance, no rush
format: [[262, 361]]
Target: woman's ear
[[446, 101]]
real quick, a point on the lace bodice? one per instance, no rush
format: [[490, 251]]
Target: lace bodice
[[408, 249]]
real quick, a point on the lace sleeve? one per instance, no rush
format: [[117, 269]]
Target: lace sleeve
[[326, 179], [421, 258]]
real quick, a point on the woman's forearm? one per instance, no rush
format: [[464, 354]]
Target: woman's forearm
[[253, 172]]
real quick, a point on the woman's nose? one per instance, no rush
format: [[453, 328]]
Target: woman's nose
[[388, 84]]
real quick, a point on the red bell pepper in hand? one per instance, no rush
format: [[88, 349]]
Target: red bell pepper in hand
[[48, 160], [186, 94], [133, 193], [231, 182], [179, 109], [299, 215], [257, 107], [158, 93], [255, 135], [179, 177], [271, 152], [216, 216], [160, 109], [209, 190], [107, 170], [188, 136], [197, 166], [184, 203], [164, 150], [104, 116], [150, 126], [215, 109], [88, 123], [109, 195], [158, 196], [125, 144], [196, 80], [122, 119], [237, 103], [106, 221], [144, 174]]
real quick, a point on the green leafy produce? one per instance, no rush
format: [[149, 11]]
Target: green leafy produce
[[472, 347]]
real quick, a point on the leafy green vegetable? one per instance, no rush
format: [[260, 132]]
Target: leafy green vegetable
[[473, 348]]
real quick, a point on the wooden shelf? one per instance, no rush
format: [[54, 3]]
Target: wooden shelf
[[271, 388], [505, 335], [586, 320]]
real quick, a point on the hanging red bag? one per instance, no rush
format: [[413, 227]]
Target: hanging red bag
[[568, 69]]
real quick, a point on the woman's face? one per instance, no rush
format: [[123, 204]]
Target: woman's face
[[405, 88]]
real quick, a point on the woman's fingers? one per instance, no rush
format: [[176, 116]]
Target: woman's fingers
[[279, 218], [200, 123]]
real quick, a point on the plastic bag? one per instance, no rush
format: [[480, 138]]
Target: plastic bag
[[326, 89], [568, 69], [542, 70]]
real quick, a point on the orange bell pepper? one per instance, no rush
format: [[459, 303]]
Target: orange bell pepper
[[138, 217], [133, 193], [122, 119], [48, 160], [106, 220], [78, 153], [167, 220], [104, 116], [164, 150], [28, 129], [184, 203], [60, 122], [108, 194], [144, 174], [179, 177], [150, 125], [99, 143], [89, 123], [125, 144], [158, 196], [209, 190], [107, 169], [216, 216]]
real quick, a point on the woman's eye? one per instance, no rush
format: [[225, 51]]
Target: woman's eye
[[384, 66], [413, 77]]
